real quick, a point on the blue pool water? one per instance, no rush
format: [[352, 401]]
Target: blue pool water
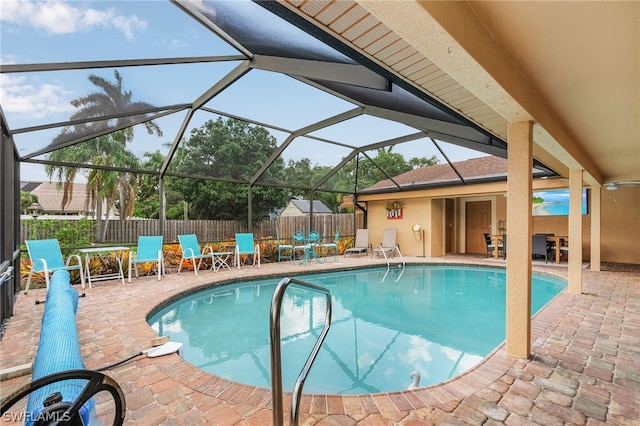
[[437, 320]]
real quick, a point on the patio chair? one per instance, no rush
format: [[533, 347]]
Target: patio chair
[[361, 243], [333, 246], [299, 245], [191, 251], [149, 251], [539, 246], [562, 246], [312, 242], [504, 246], [389, 243], [283, 248], [46, 256], [490, 245], [246, 245]]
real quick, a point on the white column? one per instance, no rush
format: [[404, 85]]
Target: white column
[[519, 190]]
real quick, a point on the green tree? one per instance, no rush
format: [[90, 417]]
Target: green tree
[[232, 151], [392, 163], [301, 175], [417, 162], [112, 99], [148, 195], [104, 187], [26, 199]]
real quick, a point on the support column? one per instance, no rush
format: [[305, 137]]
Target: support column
[[519, 189], [595, 205], [575, 231], [162, 201]]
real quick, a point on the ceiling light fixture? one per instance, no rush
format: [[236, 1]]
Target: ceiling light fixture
[[611, 186]]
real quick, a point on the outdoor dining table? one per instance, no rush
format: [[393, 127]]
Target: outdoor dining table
[[310, 246], [556, 241]]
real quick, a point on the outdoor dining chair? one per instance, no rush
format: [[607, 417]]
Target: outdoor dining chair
[[149, 251], [333, 246], [246, 246], [46, 256], [283, 248], [539, 246]]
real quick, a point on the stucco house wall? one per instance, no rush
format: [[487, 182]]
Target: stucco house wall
[[620, 227]]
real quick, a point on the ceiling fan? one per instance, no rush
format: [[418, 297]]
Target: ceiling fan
[[612, 186]]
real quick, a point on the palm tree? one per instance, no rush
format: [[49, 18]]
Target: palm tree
[[103, 186], [112, 99]]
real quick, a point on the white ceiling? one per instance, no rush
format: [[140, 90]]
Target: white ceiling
[[572, 67]]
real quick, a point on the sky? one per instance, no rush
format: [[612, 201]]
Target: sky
[[71, 31]]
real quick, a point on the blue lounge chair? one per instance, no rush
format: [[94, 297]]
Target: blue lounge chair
[[46, 256], [191, 251], [149, 251], [245, 245]]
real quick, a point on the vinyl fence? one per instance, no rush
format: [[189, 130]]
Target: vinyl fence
[[127, 231]]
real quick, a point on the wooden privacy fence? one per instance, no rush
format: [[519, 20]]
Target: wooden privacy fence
[[127, 231]]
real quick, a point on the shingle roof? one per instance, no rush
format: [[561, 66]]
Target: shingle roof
[[475, 168], [318, 206], [50, 197]]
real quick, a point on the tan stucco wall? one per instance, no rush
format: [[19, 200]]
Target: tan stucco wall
[[620, 239], [415, 211]]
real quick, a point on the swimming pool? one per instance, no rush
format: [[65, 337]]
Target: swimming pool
[[437, 320]]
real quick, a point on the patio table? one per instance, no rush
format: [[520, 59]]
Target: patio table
[[220, 259], [310, 246]]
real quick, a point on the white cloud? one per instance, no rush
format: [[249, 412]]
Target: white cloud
[[176, 44], [21, 97], [60, 17]]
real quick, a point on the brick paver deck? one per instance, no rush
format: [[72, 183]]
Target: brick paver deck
[[584, 368]]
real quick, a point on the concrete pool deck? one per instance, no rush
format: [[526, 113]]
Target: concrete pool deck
[[583, 369]]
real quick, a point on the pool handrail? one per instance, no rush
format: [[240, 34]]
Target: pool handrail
[[276, 357], [395, 248]]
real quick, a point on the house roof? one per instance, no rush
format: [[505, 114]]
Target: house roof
[[481, 169], [50, 196], [304, 206]]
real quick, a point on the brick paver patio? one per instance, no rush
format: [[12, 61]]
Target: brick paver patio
[[584, 368]]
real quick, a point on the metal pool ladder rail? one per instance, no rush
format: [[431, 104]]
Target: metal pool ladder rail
[[276, 361]]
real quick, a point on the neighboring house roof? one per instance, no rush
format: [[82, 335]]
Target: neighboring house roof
[[29, 186], [50, 197], [475, 169], [305, 206]]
